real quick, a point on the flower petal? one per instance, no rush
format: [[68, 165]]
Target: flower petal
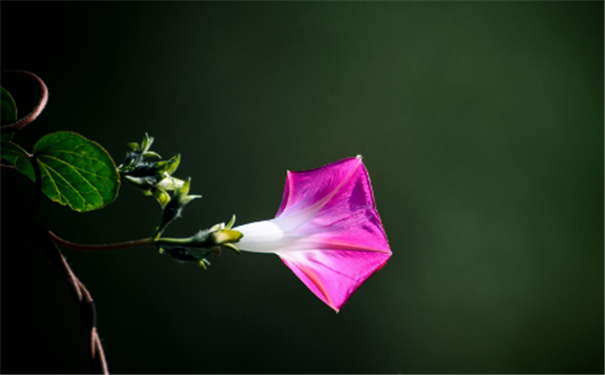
[[327, 230], [312, 189], [334, 203], [333, 208], [334, 275]]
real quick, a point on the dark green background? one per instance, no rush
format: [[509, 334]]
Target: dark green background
[[481, 125]]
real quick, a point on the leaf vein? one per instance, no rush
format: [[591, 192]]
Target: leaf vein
[[96, 190], [52, 180], [76, 168], [70, 185]]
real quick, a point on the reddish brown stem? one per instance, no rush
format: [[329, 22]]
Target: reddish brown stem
[[43, 240], [89, 315], [114, 246], [37, 109]]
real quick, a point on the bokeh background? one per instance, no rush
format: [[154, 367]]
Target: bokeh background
[[481, 125]]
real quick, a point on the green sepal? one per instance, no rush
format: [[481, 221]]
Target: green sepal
[[168, 167], [232, 247], [146, 143], [225, 236], [151, 154], [230, 223], [159, 194]]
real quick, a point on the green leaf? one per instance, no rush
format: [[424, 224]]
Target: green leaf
[[7, 137], [8, 107], [76, 171], [14, 154]]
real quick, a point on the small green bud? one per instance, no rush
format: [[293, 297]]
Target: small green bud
[[162, 196], [147, 142], [184, 255], [174, 208], [170, 184]]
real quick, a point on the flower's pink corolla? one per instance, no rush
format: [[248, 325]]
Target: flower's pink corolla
[[327, 230]]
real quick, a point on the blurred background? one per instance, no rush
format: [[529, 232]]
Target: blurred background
[[481, 125]]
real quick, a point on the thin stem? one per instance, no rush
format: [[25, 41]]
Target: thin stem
[[114, 246], [187, 242], [88, 312], [43, 240], [36, 111], [174, 241], [6, 166]]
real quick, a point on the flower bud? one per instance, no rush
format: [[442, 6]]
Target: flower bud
[[185, 255], [174, 208], [225, 236]]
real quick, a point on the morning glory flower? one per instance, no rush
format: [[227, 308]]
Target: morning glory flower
[[327, 230]]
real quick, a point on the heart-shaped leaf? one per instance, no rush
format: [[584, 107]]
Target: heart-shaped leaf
[[76, 171], [8, 107], [8, 111], [7, 137], [14, 154]]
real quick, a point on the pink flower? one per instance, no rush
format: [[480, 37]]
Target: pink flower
[[327, 230]]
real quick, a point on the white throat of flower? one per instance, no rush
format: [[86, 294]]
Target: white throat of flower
[[286, 233]]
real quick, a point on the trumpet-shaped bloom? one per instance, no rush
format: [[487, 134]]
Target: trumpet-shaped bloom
[[327, 230]]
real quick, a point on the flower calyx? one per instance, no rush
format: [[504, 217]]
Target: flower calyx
[[217, 236], [222, 235], [200, 245]]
